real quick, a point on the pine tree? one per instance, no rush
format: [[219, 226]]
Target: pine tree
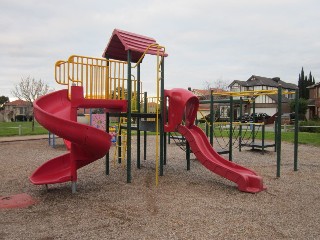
[[303, 83], [305, 90]]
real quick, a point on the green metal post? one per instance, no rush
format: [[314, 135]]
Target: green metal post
[[188, 150], [162, 140], [278, 143], [165, 148], [254, 121], [129, 91], [230, 128], [145, 107], [107, 130], [296, 130], [138, 119], [263, 136], [107, 155], [240, 126], [206, 126], [211, 118], [119, 139]]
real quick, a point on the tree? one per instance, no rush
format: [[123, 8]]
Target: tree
[[303, 83], [3, 100], [303, 107], [29, 89]]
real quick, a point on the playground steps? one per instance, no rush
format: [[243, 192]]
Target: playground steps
[[121, 143]]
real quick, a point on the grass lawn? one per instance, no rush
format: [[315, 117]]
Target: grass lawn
[[303, 137], [12, 129]]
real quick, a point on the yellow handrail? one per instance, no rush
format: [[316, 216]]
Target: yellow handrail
[[61, 72], [101, 78]]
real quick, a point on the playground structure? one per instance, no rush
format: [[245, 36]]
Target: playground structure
[[109, 83], [250, 96]]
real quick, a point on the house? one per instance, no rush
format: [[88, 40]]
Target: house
[[265, 103], [314, 101], [221, 109], [17, 110]]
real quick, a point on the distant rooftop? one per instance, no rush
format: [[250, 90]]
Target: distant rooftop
[[264, 81], [18, 103]]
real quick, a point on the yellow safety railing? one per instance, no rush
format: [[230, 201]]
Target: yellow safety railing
[[101, 78], [61, 72]]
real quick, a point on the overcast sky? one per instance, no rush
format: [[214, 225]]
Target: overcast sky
[[206, 40]]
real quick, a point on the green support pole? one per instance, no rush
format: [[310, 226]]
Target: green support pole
[[107, 130], [119, 139], [230, 128], [275, 133], [263, 136], [240, 126], [206, 126], [129, 91], [188, 150], [278, 143], [165, 148], [296, 130], [188, 155], [211, 118], [108, 154], [138, 119], [254, 121], [145, 107], [162, 140]]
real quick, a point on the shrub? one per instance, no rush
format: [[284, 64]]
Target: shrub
[[314, 126]]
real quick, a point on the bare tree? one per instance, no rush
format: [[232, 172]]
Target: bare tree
[[218, 85], [29, 89]]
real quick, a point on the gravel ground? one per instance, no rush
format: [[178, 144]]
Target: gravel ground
[[195, 204]]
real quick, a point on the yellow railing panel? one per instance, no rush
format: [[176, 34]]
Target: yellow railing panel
[[101, 78]]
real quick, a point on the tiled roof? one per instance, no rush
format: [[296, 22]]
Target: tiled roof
[[18, 103], [264, 81], [203, 92], [314, 85]]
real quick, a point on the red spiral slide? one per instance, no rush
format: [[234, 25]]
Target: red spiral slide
[[58, 114]]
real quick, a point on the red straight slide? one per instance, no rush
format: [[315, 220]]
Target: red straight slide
[[182, 106], [58, 114], [246, 179]]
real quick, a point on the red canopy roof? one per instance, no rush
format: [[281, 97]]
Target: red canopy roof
[[122, 41]]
